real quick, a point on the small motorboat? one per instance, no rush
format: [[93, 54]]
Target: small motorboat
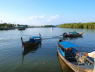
[[33, 41], [73, 34], [68, 59]]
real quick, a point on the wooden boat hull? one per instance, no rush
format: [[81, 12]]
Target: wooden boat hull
[[64, 67], [71, 35], [30, 49], [31, 44], [69, 66]]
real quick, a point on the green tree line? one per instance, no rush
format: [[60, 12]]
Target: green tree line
[[78, 25], [6, 25]]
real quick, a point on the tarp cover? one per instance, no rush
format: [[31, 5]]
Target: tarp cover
[[35, 37], [66, 44], [73, 32]]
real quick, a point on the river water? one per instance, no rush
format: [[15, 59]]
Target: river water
[[44, 57]]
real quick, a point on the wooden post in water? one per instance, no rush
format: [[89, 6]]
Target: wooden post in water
[[22, 42], [39, 34]]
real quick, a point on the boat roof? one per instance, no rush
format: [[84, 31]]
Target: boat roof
[[73, 32], [35, 37], [66, 44]]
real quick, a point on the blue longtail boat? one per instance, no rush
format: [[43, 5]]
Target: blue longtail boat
[[70, 62], [33, 41]]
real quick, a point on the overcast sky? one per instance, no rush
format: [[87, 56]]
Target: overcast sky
[[41, 12]]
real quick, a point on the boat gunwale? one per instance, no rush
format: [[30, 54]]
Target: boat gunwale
[[73, 66]]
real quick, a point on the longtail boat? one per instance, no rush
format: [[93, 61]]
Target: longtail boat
[[33, 41], [68, 59], [73, 34], [30, 49]]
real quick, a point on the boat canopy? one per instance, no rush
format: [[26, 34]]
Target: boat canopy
[[73, 32], [66, 44], [33, 37]]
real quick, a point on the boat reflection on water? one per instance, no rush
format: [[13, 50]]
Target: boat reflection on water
[[29, 49], [63, 66]]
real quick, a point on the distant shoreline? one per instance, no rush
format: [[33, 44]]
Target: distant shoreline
[[90, 25], [6, 26], [78, 25]]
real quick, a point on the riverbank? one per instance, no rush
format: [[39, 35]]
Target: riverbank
[[78, 25], [5, 26]]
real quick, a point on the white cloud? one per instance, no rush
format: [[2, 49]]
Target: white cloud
[[52, 18], [31, 20], [40, 20], [5, 17], [36, 17]]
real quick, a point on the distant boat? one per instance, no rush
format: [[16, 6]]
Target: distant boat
[[73, 34], [21, 28], [33, 41], [70, 61]]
